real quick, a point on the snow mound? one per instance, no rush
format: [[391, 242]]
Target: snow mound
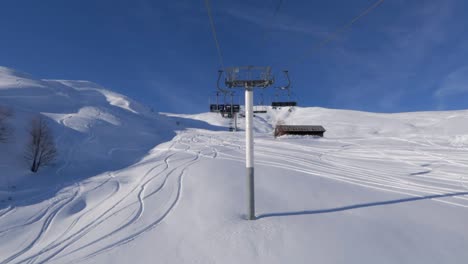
[[112, 98]]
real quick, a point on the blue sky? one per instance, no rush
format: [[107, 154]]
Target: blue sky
[[404, 56]]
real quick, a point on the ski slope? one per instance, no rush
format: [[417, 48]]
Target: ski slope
[[135, 186]]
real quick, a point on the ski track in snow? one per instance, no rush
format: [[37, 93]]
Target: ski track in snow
[[126, 192], [334, 165], [134, 197], [413, 155]]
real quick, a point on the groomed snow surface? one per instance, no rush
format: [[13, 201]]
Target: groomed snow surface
[[133, 186]]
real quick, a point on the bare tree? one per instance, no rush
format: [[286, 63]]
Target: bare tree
[[5, 129], [41, 149]]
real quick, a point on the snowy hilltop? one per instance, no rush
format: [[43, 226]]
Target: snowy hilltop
[[129, 185]]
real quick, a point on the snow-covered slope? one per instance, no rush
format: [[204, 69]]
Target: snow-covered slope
[[135, 186], [95, 129]]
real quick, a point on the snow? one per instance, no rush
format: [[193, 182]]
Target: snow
[[135, 186]]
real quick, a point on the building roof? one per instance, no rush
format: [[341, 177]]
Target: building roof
[[301, 128]]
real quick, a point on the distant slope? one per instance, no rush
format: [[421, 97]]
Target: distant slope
[[439, 125], [348, 123]]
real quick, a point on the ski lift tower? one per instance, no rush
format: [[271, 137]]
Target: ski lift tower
[[249, 78]]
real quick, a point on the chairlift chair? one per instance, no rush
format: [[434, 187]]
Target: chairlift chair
[[260, 108], [215, 107], [229, 107], [282, 89]]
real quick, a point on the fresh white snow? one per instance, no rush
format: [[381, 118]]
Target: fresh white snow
[[133, 186]]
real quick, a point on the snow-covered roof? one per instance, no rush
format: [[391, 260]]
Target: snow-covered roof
[[301, 128]]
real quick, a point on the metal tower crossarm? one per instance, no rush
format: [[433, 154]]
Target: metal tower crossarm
[[248, 77]]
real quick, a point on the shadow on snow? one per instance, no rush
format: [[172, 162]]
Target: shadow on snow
[[356, 206]]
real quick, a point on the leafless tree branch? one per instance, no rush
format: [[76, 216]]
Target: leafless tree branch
[[5, 129], [41, 149]]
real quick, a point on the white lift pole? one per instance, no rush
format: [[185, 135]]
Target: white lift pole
[[249, 152], [249, 77]]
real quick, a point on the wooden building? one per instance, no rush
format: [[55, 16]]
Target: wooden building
[[299, 130]]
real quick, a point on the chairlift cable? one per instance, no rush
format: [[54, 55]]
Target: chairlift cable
[[271, 21], [278, 8], [213, 31], [215, 38], [345, 27], [275, 12]]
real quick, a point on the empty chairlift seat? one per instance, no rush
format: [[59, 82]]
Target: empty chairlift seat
[[283, 104], [260, 109], [213, 108], [227, 108], [222, 108]]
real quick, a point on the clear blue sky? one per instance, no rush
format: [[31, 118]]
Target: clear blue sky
[[404, 56]]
